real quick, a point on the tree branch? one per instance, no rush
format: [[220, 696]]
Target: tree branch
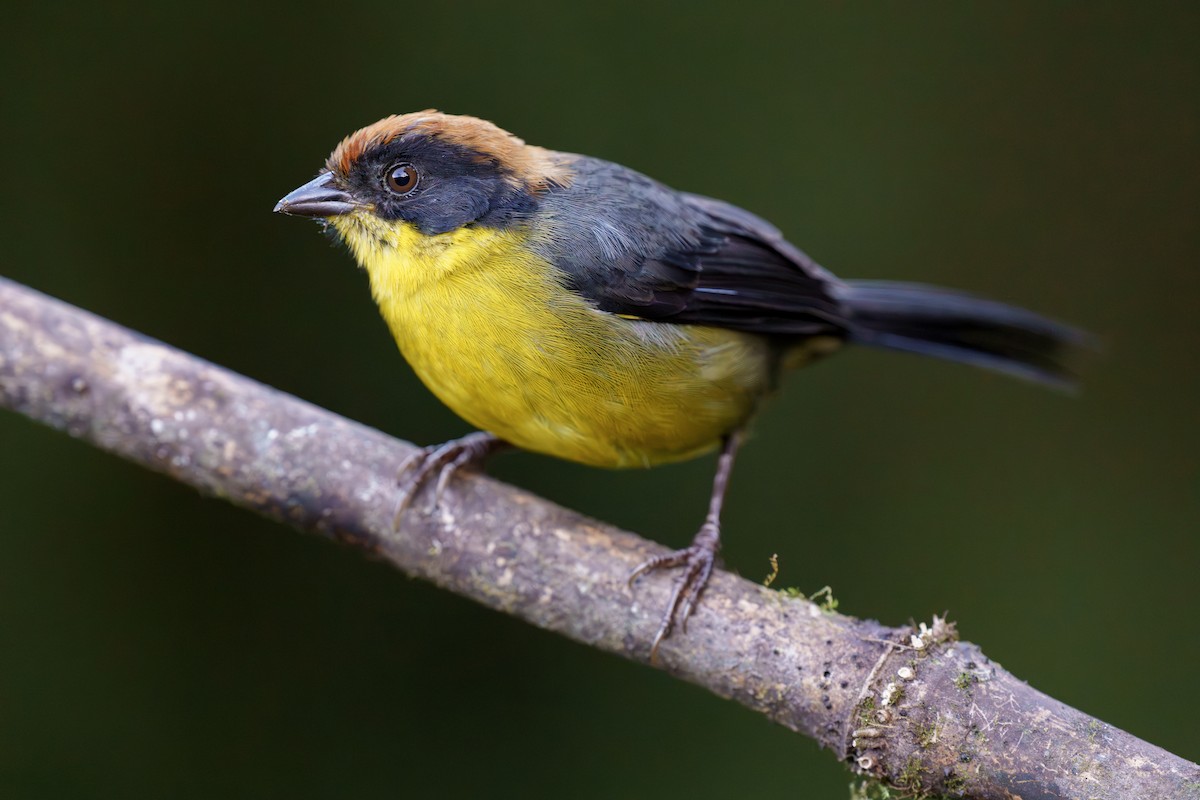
[[914, 708]]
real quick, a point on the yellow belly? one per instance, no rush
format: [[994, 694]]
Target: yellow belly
[[497, 337]]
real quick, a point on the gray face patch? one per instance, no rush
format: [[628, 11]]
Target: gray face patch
[[456, 186]]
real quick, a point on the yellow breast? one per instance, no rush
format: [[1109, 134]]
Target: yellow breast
[[497, 336]]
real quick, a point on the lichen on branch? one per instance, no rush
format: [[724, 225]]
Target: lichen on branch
[[910, 706]]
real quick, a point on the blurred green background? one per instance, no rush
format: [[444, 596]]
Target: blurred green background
[[155, 643]]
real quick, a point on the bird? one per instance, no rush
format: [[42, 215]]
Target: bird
[[574, 307]]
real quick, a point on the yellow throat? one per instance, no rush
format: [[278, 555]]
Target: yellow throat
[[496, 334]]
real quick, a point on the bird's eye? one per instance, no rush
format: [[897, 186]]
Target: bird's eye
[[402, 179]]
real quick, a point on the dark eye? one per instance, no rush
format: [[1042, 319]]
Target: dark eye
[[402, 178]]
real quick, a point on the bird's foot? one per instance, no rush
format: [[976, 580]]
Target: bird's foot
[[697, 560], [443, 460]]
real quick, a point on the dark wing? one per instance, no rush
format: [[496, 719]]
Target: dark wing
[[637, 248]]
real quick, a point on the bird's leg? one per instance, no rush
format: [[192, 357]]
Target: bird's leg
[[698, 558], [444, 460]]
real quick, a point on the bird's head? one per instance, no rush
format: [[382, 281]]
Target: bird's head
[[436, 172]]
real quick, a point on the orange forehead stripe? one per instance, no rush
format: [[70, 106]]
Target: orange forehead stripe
[[535, 167]]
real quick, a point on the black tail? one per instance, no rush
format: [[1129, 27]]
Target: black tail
[[946, 324]]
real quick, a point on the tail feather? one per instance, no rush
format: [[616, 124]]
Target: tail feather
[[958, 327]]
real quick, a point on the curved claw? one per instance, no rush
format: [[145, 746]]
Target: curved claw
[[651, 564], [697, 560], [700, 581], [445, 460]]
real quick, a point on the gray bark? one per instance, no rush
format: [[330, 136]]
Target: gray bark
[[919, 710]]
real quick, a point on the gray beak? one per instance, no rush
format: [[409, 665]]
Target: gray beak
[[320, 197]]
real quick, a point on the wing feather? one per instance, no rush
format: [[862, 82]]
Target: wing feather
[[674, 257]]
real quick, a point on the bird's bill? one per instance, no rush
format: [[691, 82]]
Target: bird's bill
[[320, 197]]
